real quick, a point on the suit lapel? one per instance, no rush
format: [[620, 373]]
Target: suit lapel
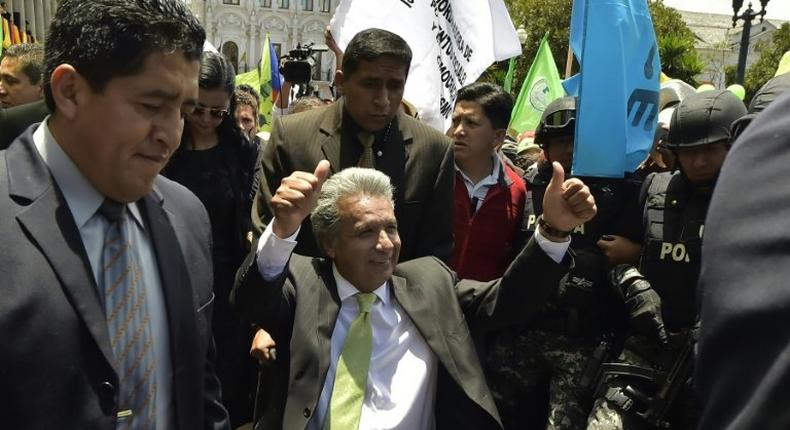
[[179, 303], [419, 309], [326, 306], [444, 344], [330, 129], [51, 226], [393, 162]]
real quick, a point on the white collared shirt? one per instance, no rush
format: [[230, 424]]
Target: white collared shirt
[[478, 191], [83, 201]]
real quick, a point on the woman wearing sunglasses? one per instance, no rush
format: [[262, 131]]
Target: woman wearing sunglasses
[[216, 162]]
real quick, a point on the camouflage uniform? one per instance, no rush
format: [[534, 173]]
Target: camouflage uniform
[[518, 361], [555, 347], [644, 352]]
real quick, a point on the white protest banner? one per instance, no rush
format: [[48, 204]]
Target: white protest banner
[[452, 43]]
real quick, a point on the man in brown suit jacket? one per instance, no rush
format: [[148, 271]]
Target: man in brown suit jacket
[[417, 158]]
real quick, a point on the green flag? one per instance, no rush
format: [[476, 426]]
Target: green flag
[[261, 79], [541, 87], [511, 67]]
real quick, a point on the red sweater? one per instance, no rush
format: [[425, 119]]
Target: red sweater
[[485, 242]]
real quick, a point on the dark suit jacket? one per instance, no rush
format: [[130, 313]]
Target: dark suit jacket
[[14, 121], [55, 353], [301, 308], [743, 367], [417, 158]]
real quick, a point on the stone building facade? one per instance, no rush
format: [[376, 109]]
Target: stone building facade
[[238, 29], [719, 44], [32, 15]]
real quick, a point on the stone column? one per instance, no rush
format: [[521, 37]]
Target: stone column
[[30, 15], [40, 23], [210, 26], [9, 7], [250, 38], [48, 15]]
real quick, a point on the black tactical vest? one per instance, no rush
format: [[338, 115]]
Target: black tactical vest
[[674, 222], [584, 303]]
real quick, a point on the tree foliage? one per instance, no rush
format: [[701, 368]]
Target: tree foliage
[[538, 18], [765, 67], [679, 59]]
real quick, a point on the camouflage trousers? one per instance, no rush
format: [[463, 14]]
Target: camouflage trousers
[[606, 415], [519, 361]]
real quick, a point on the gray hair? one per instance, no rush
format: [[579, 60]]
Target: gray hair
[[350, 182]]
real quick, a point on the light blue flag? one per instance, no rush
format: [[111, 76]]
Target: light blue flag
[[617, 86]]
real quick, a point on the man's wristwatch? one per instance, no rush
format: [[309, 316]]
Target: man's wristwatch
[[552, 231]]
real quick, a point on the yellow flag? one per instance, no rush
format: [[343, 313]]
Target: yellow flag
[[784, 64]]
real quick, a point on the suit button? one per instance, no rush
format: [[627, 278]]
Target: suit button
[[306, 412], [107, 397]]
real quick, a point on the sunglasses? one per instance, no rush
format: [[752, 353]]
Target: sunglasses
[[215, 113]]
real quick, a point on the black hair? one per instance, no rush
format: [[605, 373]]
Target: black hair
[[217, 73], [495, 102], [30, 57], [370, 44], [106, 39]]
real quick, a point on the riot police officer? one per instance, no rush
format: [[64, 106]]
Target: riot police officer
[[557, 346], [647, 386]]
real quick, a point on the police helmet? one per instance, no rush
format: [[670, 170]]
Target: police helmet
[[703, 119], [558, 119]]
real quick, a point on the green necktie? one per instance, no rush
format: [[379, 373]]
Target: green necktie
[[366, 160], [351, 375]]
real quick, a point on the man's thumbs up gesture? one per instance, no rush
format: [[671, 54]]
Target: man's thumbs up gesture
[[566, 205], [296, 197]]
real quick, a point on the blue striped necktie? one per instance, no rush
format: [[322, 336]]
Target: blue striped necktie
[[128, 322]]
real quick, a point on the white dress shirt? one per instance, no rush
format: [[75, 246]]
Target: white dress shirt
[[83, 201], [401, 385], [478, 191]]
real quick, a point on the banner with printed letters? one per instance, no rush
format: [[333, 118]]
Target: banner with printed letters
[[452, 43]]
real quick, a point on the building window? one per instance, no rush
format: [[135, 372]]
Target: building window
[[307, 5], [277, 50], [326, 5], [284, 4], [231, 51], [236, 2], [265, 3]]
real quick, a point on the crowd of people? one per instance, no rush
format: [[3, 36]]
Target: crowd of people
[[164, 266]]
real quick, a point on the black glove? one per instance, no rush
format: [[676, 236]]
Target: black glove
[[641, 301]]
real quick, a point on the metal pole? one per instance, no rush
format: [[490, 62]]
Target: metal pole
[[569, 63], [744, 51]]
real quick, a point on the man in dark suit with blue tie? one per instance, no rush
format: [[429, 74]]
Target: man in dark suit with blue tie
[[105, 265]]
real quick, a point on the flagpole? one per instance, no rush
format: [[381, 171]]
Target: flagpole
[[569, 63]]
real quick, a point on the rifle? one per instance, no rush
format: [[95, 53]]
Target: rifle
[[654, 409]]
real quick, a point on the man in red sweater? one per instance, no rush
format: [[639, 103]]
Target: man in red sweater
[[489, 195]]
